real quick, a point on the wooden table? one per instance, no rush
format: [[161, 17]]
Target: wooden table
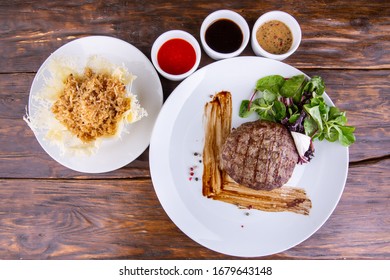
[[50, 212]]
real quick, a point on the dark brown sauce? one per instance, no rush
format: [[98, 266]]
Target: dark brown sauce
[[224, 36]]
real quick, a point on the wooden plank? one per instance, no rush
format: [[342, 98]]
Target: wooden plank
[[87, 219], [333, 37], [359, 227]]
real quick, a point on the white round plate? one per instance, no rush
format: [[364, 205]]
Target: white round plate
[[219, 226], [113, 153]]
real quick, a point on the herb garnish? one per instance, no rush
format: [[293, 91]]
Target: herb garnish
[[298, 104]]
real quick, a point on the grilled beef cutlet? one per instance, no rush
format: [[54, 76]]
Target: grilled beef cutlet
[[260, 155]]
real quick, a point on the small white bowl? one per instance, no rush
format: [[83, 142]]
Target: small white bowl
[[224, 14], [175, 34], [286, 19]]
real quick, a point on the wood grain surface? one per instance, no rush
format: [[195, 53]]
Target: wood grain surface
[[50, 212]]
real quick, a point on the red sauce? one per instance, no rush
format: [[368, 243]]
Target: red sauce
[[176, 56]]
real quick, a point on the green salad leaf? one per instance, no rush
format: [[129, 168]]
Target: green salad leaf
[[315, 114], [315, 85], [293, 86], [298, 104], [272, 83]]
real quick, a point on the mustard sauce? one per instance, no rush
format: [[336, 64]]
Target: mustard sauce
[[274, 37]]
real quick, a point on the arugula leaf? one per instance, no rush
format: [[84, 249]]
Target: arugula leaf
[[333, 134], [294, 117], [334, 112], [324, 111], [266, 107], [315, 113], [330, 123], [244, 112], [293, 86], [337, 129], [263, 109], [310, 126], [260, 106], [269, 96], [272, 83], [347, 138], [279, 110], [315, 85]]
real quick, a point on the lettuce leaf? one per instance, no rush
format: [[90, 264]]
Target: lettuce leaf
[[299, 105]]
